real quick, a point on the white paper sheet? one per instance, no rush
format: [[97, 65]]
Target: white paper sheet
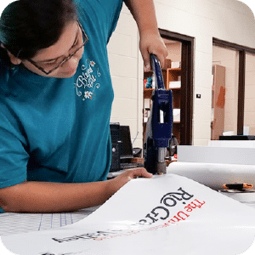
[[167, 214]]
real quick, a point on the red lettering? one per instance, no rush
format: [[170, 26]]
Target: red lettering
[[188, 208], [171, 221], [193, 205], [179, 215], [200, 202]]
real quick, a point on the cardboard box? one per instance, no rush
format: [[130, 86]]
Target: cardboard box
[[167, 64], [176, 65], [175, 84], [177, 115]]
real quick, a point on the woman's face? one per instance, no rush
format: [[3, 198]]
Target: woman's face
[[48, 58]]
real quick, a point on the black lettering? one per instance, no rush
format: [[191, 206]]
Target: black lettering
[[142, 222], [168, 200], [185, 195], [151, 218], [59, 240], [161, 208]]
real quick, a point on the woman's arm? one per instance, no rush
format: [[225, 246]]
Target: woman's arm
[[61, 197], [144, 14]]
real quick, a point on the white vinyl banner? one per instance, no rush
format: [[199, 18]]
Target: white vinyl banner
[[167, 214]]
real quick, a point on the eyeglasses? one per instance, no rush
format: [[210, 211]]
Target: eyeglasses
[[60, 62]]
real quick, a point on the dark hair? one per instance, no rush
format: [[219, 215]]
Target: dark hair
[[27, 26]]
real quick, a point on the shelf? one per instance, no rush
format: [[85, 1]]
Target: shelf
[[172, 74], [147, 93], [174, 69], [147, 73], [163, 70], [175, 88]]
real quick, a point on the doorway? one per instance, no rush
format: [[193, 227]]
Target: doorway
[[224, 92]]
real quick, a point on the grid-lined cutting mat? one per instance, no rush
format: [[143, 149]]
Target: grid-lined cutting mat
[[14, 223]]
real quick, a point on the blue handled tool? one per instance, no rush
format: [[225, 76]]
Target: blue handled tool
[[160, 124]]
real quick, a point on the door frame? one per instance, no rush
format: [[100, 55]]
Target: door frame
[[241, 77]]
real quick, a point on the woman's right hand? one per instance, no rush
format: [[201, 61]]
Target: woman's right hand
[[128, 175]]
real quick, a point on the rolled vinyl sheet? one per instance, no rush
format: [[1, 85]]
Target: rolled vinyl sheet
[[224, 155], [232, 143], [214, 175]]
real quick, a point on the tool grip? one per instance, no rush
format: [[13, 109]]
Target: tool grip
[[156, 68], [237, 186]]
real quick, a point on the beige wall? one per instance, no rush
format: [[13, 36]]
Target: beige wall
[[174, 51], [228, 20], [127, 75]]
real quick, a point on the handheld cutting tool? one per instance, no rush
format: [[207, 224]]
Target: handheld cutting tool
[[160, 124]]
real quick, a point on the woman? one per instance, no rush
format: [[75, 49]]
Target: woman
[[55, 101]]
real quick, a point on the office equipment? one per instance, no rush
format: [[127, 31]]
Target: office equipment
[[126, 150], [116, 143], [122, 149], [169, 75], [160, 123]]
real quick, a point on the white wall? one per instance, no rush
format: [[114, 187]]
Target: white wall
[[228, 20]]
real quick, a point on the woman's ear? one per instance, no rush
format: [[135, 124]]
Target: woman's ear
[[13, 59]]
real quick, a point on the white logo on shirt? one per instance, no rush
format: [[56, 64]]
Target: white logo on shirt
[[86, 83]]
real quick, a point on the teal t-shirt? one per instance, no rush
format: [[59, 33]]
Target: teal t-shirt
[[57, 130]]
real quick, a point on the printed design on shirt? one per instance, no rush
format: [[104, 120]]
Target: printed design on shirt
[[86, 84]]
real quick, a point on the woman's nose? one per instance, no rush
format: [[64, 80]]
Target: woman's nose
[[74, 60]]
